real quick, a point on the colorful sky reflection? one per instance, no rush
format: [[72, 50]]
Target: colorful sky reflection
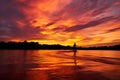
[[86, 22]]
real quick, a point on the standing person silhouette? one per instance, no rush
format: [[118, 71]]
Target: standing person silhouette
[[74, 47]]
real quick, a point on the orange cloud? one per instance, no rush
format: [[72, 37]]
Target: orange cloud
[[60, 21]]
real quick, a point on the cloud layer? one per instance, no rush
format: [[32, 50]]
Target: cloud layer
[[85, 22]]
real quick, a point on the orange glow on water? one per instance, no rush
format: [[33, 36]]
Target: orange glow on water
[[59, 64]]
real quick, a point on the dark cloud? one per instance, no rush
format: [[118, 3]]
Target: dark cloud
[[49, 24], [101, 10], [79, 7], [90, 24], [12, 12], [113, 30], [13, 31], [57, 29]]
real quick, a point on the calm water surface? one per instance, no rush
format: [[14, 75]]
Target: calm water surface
[[59, 65]]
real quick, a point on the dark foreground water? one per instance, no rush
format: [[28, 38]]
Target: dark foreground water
[[59, 65]]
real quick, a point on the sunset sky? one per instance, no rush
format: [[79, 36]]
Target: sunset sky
[[86, 22]]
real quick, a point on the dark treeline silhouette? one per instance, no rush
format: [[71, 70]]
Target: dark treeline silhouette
[[30, 45], [36, 45]]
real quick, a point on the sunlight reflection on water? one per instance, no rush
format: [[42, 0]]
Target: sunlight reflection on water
[[59, 64]]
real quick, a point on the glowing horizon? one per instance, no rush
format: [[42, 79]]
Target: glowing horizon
[[86, 22]]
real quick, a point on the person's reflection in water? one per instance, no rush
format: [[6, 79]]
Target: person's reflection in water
[[75, 68], [74, 55]]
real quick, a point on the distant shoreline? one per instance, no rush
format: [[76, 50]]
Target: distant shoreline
[[54, 49], [36, 46]]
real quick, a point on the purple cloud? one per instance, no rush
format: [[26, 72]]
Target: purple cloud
[[90, 24]]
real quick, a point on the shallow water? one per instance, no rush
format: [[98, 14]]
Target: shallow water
[[59, 65]]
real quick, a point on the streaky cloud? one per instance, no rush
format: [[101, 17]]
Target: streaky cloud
[[89, 24], [113, 30]]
